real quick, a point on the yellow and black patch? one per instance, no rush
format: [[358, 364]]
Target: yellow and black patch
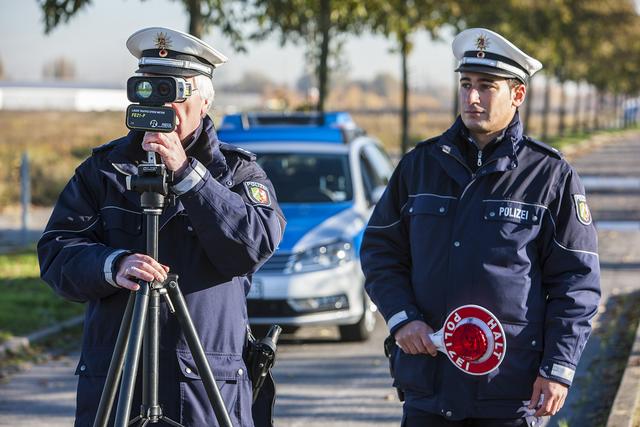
[[258, 193], [582, 209]]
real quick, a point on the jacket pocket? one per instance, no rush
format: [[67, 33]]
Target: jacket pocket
[[513, 380], [429, 204], [414, 372], [224, 367], [92, 371], [232, 381], [513, 211], [94, 362], [122, 227]]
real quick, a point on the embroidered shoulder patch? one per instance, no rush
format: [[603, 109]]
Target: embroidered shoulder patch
[[582, 209], [258, 193]]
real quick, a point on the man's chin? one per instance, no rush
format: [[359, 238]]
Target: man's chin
[[475, 125]]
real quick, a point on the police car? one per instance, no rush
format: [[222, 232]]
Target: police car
[[328, 174]]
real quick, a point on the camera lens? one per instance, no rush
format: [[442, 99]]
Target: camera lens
[[143, 89], [164, 88]]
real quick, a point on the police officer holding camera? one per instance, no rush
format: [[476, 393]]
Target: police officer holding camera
[[485, 215], [224, 224]]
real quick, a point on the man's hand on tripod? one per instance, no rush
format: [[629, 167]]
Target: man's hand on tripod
[[169, 147], [139, 267]]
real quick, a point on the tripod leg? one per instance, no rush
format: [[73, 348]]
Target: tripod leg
[[151, 350], [115, 367], [133, 351], [209, 382]]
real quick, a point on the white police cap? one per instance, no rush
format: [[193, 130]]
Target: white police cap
[[166, 51], [484, 51]]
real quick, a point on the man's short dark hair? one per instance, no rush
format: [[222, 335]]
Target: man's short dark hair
[[514, 83]]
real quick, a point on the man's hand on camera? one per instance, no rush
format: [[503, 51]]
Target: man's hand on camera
[[169, 147], [139, 267], [413, 338]]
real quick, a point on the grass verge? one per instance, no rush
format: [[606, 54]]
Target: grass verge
[[562, 142], [27, 303]]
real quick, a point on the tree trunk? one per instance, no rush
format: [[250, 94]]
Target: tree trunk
[[616, 111], [545, 108], [323, 67], [196, 24], [625, 110], [594, 109], [596, 112], [404, 51], [562, 113], [528, 105], [576, 109]]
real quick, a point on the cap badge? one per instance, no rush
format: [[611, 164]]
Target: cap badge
[[163, 42], [482, 43]]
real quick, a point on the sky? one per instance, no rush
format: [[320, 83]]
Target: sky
[[94, 40]]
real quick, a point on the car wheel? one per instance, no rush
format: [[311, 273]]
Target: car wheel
[[362, 330]]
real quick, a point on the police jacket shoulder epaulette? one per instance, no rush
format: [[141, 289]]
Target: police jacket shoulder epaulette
[[545, 147], [428, 142], [110, 145], [233, 149]]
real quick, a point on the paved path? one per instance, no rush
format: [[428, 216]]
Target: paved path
[[41, 396], [325, 383], [590, 396]]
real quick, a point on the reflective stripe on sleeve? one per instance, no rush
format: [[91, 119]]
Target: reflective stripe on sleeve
[[396, 319], [191, 180], [108, 267], [563, 372]]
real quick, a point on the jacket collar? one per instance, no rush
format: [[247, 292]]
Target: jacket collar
[[512, 133], [509, 139], [504, 157]]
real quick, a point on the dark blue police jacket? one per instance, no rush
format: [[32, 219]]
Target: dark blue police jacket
[[514, 237], [220, 230]]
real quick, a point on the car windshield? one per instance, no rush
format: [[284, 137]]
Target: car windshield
[[308, 177]]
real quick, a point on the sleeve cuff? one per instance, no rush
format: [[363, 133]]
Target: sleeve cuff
[[189, 178], [109, 263], [557, 372], [401, 318]]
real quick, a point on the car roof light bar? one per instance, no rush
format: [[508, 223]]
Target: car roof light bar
[[336, 127]]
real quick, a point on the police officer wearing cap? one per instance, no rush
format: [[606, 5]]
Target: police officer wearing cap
[[225, 223], [485, 215]]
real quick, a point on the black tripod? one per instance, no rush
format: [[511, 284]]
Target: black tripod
[[143, 309]]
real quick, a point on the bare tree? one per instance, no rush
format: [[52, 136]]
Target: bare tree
[[59, 69]]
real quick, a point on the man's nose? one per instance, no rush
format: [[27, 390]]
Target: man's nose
[[473, 96]]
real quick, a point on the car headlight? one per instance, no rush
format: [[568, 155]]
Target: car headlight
[[323, 257]]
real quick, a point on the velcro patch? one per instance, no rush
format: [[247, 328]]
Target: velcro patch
[[258, 193], [582, 209]]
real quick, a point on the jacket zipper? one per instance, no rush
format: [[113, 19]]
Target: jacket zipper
[[473, 175]]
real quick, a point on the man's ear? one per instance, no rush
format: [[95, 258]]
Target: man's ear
[[518, 95], [204, 108]]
